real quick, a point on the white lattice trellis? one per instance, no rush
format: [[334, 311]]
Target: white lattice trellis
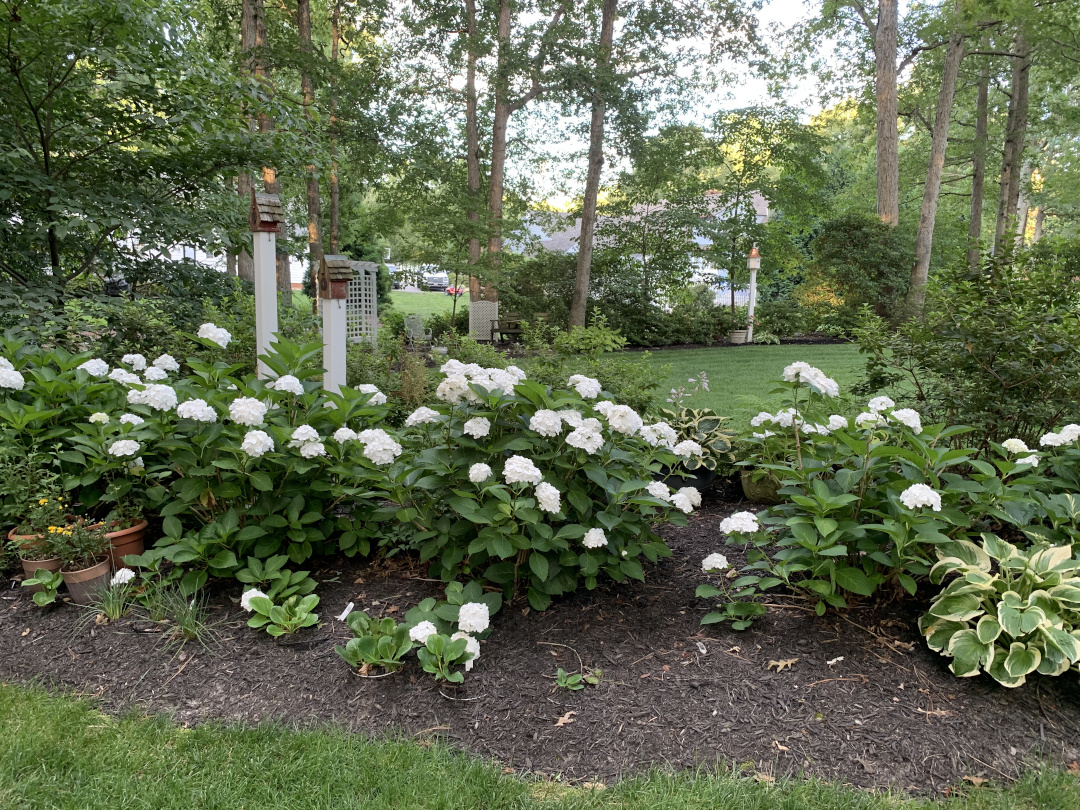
[[362, 303], [481, 313]]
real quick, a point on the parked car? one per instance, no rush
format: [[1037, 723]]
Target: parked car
[[437, 282], [456, 291]]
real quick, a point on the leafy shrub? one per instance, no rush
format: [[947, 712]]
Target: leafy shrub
[[706, 427], [236, 313]]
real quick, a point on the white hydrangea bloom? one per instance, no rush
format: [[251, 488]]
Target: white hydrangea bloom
[[687, 449], [247, 411], [764, 435], [761, 419], [624, 419], [257, 443], [216, 334], [740, 523], [245, 600], [312, 449], [520, 470], [452, 366], [691, 493], [548, 497], [587, 387], [421, 416], [155, 374], [11, 379], [571, 417], [472, 646], [1052, 440], [133, 419], [302, 435], [604, 407], [377, 396], [99, 418], [909, 418], [837, 422], [918, 495], [344, 434], [6, 364], [1070, 433], [660, 435], [95, 367], [585, 438], [122, 375], [136, 361], [517, 373], [121, 577], [453, 389], [546, 423], [658, 489], [879, 404], [714, 562], [422, 631], [479, 472], [289, 384], [1015, 446], [379, 447], [159, 397], [167, 362], [1033, 460], [197, 409], [804, 372], [474, 617], [785, 418], [136, 466], [478, 427], [594, 538], [869, 420], [124, 447], [682, 503], [806, 428], [502, 380]]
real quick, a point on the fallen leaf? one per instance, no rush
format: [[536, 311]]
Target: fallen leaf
[[764, 777], [780, 747], [508, 770], [26, 632], [594, 785], [1073, 767], [977, 781], [566, 719], [782, 664], [101, 619], [358, 581], [702, 648], [393, 609]]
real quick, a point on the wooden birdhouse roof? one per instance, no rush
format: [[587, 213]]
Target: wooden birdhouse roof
[[337, 268], [266, 212]]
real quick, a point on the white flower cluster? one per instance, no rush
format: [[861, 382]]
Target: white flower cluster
[[594, 538], [740, 523], [257, 443], [1067, 435], [422, 416], [288, 384], [587, 387], [155, 374], [9, 377], [136, 361], [167, 362], [918, 495], [474, 617], [124, 447], [345, 434], [909, 418], [472, 646], [422, 631], [197, 409], [659, 435], [624, 419], [546, 423], [159, 397], [216, 334], [479, 472], [132, 419], [804, 372], [122, 375], [1015, 446], [520, 470], [686, 499], [548, 497], [99, 418], [586, 436], [306, 439], [456, 386], [687, 449], [478, 427], [95, 367], [245, 600], [247, 411], [714, 562], [379, 447], [789, 417], [377, 396], [121, 577]]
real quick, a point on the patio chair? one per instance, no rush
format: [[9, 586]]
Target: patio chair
[[415, 334]]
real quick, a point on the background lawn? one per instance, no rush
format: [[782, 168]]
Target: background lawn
[[61, 753], [426, 303], [741, 378]]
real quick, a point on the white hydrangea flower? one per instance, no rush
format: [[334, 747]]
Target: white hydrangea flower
[[245, 600], [1052, 440], [288, 384], [136, 466], [739, 523], [479, 472], [302, 435], [216, 334], [155, 374], [869, 420], [257, 443], [1070, 433], [379, 447], [804, 372], [422, 416], [345, 434], [587, 387], [167, 362], [377, 396], [478, 427], [6, 364], [474, 617], [604, 407], [918, 495], [121, 577], [136, 361], [785, 417], [422, 631], [660, 435], [502, 380], [132, 419], [658, 489], [691, 493], [247, 411], [909, 418], [11, 379], [1015, 446], [624, 419], [682, 503], [517, 373], [312, 449], [879, 404], [520, 470], [95, 367], [124, 447], [837, 422], [806, 428], [714, 562], [761, 418], [452, 366], [159, 397], [472, 646], [99, 418], [196, 409], [687, 449], [1033, 460], [453, 389], [594, 538], [122, 375], [572, 418], [546, 423], [764, 435], [548, 497], [586, 438]]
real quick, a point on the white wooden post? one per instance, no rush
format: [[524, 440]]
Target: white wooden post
[[265, 219], [334, 321], [753, 263]]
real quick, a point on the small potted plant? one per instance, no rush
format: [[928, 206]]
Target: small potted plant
[[706, 427], [85, 562], [125, 530], [33, 538]]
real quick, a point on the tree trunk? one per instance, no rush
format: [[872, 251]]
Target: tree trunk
[[1022, 206], [335, 191], [1036, 235], [888, 136], [472, 148], [307, 88], [580, 300], [978, 169], [501, 120], [924, 237], [1015, 131], [245, 265]]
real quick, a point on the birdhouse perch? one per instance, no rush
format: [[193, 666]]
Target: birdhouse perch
[[335, 273], [267, 215]]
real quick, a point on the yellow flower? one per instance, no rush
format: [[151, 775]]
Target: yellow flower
[[43, 501]]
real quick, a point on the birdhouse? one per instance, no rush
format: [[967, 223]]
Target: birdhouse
[[335, 273], [267, 215]]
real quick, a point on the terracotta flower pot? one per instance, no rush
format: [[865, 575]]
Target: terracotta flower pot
[[29, 567], [85, 584], [27, 543], [760, 490], [126, 541]]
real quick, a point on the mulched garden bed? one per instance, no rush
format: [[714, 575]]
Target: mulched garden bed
[[863, 702]]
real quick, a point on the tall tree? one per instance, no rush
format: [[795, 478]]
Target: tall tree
[[1015, 134], [886, 33], [245, 266], [978, 166], [307, 88]]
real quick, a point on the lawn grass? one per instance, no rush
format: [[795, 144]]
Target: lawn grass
[[426, 303], [61, 753], [740, 378]]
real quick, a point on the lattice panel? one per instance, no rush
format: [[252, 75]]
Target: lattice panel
[[481, 314], [362, 311]]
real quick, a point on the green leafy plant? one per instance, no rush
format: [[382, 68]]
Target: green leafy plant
[[578, 680], [274, 579], [1008, 612], [80, 546], [383, 643], [440, 654], [291, 616], [49, 582], [706, 427]]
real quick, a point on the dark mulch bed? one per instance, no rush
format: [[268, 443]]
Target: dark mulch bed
[[886, 711]]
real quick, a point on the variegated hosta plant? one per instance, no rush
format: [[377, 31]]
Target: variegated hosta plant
[[1008, 612], [705, 427]]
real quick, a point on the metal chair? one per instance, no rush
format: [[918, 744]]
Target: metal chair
[[415, 334]]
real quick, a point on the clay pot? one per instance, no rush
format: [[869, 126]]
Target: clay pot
[[27, 543], [737, 336], [760, 490], [29, 567], [124, 542], [84, 585]]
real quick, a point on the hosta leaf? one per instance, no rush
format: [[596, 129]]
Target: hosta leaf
[[1010, 619], [968, 653], [998, 672], [988, 629], [1049, 559], [1065, 643], [1022, 659], [957, 608]]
